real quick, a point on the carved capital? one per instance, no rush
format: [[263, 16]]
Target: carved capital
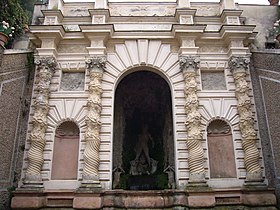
[[239, 63], [96, 63], [46, 63], [189, 63]]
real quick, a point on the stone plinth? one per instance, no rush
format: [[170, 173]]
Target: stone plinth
[[153, 199]]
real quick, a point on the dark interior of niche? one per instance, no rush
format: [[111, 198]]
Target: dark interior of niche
[[145, 99]]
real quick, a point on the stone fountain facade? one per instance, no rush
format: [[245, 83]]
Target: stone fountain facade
[[198, 56]]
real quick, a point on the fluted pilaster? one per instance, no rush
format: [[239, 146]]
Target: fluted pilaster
[[189, 66], [45, 67], [95, 66], [239, 67]]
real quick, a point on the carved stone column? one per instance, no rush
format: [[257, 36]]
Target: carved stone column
[[45, 69], [238, 67], [189, 66], [95, 66]]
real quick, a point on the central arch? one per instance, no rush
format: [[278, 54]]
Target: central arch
[[143, 146]]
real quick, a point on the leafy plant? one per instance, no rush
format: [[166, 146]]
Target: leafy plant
[[17, 13], [6, 28]]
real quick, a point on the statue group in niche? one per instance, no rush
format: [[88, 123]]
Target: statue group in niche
[[143, 163]]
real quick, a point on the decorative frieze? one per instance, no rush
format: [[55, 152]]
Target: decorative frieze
[[95, 65], [239, 67], [189, 66], [46, 67]]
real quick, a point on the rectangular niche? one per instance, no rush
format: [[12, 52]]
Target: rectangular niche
[[213, 80], [72, 81]]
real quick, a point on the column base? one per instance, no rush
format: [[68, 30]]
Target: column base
[[90, 185], [254, 180], [257, 185], [90, 182], [32, 181], [254, 177], [197, 180], [33, 185]]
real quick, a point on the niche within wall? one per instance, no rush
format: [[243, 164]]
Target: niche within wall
[[65, 152], [221, 151], [143, 149]]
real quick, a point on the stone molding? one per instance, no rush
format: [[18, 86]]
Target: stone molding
[[218, 126], [239, 67], [95, 65], [189, 66], [46, 67]]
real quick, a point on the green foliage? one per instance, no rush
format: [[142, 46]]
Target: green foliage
[[17, 13]]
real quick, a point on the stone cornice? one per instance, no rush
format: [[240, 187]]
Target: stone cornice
[[97, 28], [105, 12], [56, 31], [184, 30], [185, 11], [57, 13], [230, 12], [232, 31]]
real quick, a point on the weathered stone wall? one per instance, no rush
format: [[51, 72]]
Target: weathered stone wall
[[16, 80], [265, 72], [263, 17]]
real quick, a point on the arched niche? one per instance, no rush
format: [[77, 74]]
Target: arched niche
[[221, 150], [65, 152], [143, 144]]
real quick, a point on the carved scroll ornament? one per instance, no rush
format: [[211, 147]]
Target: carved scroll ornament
[[238, 67], [46, 67], [95, 66], [189, 66]]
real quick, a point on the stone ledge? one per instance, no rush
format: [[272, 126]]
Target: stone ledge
[[27, 199]]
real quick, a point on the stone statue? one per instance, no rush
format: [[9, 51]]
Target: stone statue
[[117, 175], [142, 145], [171, 176], [143, 163]]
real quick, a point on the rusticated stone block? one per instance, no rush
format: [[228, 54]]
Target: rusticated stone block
[[28, 202], [114, 200], [144, 202], [197, 201], [259, 199], [87, 202], [180, 200]]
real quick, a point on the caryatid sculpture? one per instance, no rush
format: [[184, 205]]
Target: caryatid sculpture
[[189, 66], [239, 67], [95, 66], [45, 67]]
